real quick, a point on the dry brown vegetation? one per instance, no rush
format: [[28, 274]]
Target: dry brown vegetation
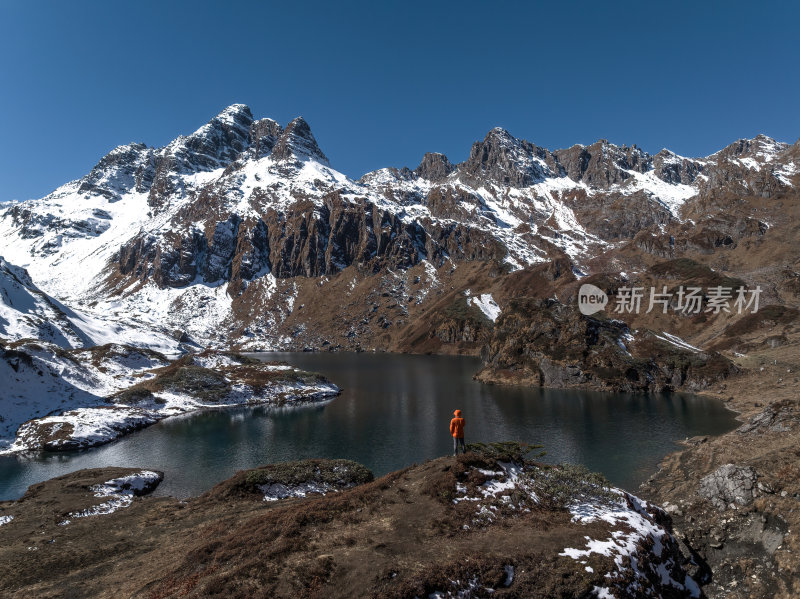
[[393, 537]]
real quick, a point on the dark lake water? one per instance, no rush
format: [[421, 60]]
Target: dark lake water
[[395, 410]]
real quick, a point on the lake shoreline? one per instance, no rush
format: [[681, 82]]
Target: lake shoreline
[[116, 390], [744, 538]]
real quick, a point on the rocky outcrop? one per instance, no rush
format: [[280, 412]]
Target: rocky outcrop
[[546, 343], [778, 417], [733, 498], [730, 485], [602, 164], [434, 167], [510, 161], [617, 216], [297, 142]]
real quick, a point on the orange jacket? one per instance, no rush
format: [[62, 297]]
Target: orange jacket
[[457, 425]]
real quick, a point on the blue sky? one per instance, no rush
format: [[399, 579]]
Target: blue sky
[[383, 82]]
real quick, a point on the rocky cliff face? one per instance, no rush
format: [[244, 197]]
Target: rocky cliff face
[[733, 498]]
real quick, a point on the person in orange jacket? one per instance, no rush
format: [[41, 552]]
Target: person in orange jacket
[[457, 430]]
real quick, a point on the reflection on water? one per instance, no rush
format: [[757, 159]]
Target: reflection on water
[[394, 411]]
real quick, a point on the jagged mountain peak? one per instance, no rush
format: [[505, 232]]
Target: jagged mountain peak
[[434, 167], [616, 149], [764, 138], [230, 129], [767, 147], [235, 114], [264, 134], [760, 147], [298, 142], [602, 163], [501, 135], [265, 126], [506, 160], [215, 145]]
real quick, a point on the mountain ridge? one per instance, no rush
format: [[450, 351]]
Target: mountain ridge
[[241, 201]]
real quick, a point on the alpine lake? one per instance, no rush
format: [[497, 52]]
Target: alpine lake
[[394, 411]]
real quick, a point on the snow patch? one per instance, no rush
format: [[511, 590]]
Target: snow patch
[[277, 491], [677, 342], [635, 524], [670, 195], [120, 493], [485, 302]]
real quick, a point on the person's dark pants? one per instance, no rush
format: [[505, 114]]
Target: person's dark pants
[[456, 442]]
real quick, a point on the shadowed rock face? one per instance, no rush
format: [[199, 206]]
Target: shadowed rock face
[[676, 169], [308, 241], [434, 167], [546, 343], [264, 134]]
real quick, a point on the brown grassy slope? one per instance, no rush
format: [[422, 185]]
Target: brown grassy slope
[[398, 536]]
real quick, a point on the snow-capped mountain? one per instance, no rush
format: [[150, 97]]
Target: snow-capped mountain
[[227, 234], [26, 312]]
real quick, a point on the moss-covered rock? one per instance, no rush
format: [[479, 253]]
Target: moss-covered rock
[[333, 474]]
